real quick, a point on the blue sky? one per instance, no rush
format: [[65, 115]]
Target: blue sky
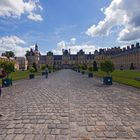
[[53, 24]]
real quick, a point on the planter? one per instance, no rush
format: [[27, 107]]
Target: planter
[[83, 72], [107, 80], [90, 75], [6, 82], [31, 76], [43, 73]]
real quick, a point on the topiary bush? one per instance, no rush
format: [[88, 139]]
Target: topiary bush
[[95, 67], [90, 69], [43, 67], [7, 66], [32, 70], [132, 66], [107, 66]]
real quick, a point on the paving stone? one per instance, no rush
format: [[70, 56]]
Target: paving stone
[[69, 106], [62, 137], [110, 135], [51, 126], [19, 137], [29, 137], [9, 137], [50, 137], [99, 134], [55, 131], [39, 137], [62, 126], [2, 137]]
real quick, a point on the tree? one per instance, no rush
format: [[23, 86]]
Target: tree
[[78, 66], [27, 53], [49, 67], [7, 66], [84, 67], [35, 67], [43, 67], [132, 66], [95, 68], [90, 69], [107, 66], [32, 69], [8, 54]]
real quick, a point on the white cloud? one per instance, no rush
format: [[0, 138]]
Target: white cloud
[[73, 40], [14, 9], [123, 13], [74, 48], [12, 43], [35, 17]]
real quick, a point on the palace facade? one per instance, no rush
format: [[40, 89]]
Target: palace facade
[[66, 60], [121, 57]]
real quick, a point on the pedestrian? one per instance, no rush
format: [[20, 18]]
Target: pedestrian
[[46, 72]]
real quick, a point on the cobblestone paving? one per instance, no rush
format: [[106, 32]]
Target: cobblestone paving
[[69, 106]]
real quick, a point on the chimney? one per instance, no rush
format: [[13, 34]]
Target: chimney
[[62, 50], [128, 48], [132, 46], [124, 49], [137, 45], [69, 51]]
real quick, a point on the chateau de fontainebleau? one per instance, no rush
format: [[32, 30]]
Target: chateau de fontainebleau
[[121, 57]]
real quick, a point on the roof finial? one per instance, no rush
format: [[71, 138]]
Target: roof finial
[[36, 47]]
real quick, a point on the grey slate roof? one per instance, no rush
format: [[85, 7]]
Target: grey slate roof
[[57, 57]]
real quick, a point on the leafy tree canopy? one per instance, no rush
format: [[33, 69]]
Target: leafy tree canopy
[[43, 67], [95, 67], [27, 53], [8, 54], [32, 70], [84, 67], [132, 66], [7, 66], [90, 69], [107, 66], [35, 67]]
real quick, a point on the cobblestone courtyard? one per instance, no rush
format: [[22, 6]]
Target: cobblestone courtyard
[[69, 106]]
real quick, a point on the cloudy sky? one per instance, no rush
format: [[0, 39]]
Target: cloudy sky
[[68, 24]]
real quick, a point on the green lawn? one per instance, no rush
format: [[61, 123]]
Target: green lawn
[[125, 77], [17, 75]]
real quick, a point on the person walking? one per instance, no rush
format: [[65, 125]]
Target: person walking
[[46, 72]]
